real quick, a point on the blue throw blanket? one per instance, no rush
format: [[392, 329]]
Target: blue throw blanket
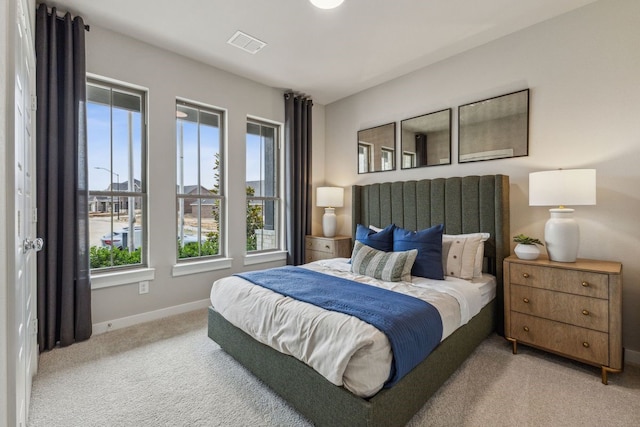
[[413, 326]]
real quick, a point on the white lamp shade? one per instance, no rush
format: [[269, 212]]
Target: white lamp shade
[[569, 187], [326, 4], [330, 197]]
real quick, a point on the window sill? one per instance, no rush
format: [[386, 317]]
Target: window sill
[[265, 257], [107, 280], [201, 266]]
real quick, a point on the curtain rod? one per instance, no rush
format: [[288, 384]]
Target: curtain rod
[[86, 27]]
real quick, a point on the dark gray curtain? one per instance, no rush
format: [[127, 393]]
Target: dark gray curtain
[[297, 137], [64, 288]]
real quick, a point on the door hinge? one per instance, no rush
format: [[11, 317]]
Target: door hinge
[[34, 326], [34, 102], [35, 215]]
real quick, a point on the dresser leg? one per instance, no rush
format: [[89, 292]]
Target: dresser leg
[[605, 370], [515, 345]]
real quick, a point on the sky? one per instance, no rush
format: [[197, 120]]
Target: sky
[[101, 144]]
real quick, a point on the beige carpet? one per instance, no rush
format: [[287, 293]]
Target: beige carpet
[[169, 373]]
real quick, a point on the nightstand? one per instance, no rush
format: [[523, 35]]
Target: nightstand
[[573, 309], [318, 247]]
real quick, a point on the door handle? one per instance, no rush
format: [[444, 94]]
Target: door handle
[[36, 244]]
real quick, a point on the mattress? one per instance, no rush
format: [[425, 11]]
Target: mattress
[[345, 350]]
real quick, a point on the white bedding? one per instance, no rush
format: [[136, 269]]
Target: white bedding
[[344, 349]]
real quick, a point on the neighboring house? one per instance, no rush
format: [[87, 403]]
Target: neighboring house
[[191, 203], [104, 203]]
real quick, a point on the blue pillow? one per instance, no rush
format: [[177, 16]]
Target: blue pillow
[[381, 240], [428, 242]]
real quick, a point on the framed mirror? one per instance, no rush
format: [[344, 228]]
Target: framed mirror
[[426, 140], [377, 149], [494, 128]]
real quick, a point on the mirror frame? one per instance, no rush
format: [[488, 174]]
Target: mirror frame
[[494, 128], [426, 130], [385, 142]]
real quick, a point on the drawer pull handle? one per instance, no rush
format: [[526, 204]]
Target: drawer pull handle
[[526, 300], [585, 344], [585, 284], [585, 312], [525, 275], [327, 246], [526, 329]]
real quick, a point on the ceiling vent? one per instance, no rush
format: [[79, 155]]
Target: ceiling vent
[[246, 42]]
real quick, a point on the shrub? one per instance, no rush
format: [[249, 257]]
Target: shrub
[[100, 257]]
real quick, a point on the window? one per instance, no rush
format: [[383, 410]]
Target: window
[[262, 187], [116, 140], [386, 161], [364, 157], [408, 159], [200, 195]]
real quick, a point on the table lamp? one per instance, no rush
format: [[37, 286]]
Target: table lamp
[[329, 198], [562, 188]]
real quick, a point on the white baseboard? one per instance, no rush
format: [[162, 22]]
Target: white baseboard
[[102, 327], [632, 357]]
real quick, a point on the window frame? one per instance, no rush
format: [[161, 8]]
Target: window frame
[[142, 193], [180, 268], [271, 254]]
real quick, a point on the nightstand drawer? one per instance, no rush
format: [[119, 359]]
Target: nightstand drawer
[[572, 281], [320, 245], [592, 313], [573, 341], [317, 255]]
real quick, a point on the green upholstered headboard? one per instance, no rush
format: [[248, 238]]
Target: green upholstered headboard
[[468, 204]]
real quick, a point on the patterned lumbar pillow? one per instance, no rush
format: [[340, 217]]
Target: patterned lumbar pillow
[[387, 266]]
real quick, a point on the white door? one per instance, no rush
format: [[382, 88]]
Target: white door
[[25, 216]]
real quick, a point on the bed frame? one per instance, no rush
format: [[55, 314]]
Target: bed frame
[[465, 205]]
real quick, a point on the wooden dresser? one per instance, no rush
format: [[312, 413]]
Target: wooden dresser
[[318, 247], [572, 309]]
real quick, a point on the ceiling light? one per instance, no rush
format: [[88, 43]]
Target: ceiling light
[[326, 4]]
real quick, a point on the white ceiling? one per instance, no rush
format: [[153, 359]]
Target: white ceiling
[[327, 54]]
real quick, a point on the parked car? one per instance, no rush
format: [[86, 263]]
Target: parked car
[[120, 239]]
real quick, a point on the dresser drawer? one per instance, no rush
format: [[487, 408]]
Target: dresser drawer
[[311, 256], [592, 313], [571, 281], [320, 245], [573, 341]]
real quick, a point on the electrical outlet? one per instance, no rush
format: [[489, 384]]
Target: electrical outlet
[[143, 287]]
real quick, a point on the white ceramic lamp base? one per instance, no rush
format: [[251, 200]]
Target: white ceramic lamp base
[[329, 222], [562, 235]]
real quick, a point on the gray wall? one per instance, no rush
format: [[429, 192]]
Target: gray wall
[[582, 69]]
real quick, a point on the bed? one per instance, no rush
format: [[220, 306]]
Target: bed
[[464, 205]]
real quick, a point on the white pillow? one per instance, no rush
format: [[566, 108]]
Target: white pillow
[[462, 254], [374, 228]]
